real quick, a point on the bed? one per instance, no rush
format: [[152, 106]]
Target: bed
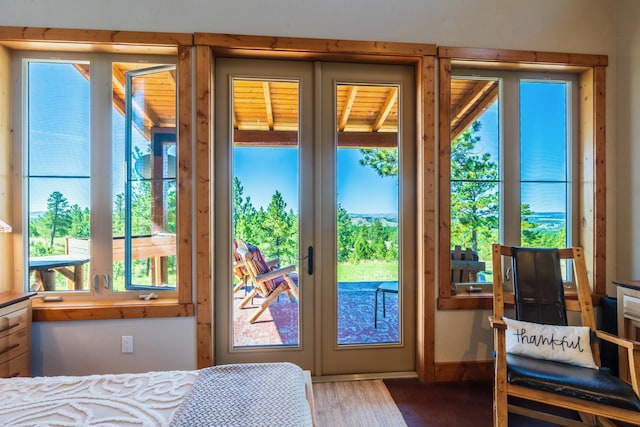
[[261, 394]]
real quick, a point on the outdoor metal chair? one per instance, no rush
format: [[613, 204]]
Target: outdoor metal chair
[[384, 287]]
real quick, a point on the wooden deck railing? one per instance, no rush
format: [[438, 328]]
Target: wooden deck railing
[[155, 247]]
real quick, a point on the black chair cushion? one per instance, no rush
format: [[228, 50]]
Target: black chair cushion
[[583, 383]]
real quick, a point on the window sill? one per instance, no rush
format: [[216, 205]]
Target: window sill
[[109, 309], [474, 300], [484, 300]]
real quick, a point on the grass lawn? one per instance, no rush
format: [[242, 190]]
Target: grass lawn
[[367, 271]]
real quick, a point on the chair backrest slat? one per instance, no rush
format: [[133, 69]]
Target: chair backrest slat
[[538, 287]]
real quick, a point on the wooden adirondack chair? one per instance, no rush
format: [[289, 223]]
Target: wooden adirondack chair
[[240, 270], [267, 282]]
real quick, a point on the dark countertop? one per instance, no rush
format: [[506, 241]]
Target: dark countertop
[[8, 298], [632, 284]]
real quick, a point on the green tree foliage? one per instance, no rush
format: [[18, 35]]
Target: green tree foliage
[[80, 222], [532, 236], [383, 160], [474, 198], [378, 238], [56, 219], [62, 220], [346, 231], [59, 220], [280, 230], [361, 247], [245, 215], [475, 201], [274, 230], [474, 193]]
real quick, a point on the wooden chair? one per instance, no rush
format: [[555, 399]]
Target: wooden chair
[[267, 282], [465, 266], [240, 270], [538, 296]]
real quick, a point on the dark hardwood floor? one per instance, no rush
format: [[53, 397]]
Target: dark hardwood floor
[[450, 404]]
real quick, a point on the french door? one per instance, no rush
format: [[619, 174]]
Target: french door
[[315, 215]]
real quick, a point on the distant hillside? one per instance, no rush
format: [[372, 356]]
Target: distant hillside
[[551, 221], [385, 219]]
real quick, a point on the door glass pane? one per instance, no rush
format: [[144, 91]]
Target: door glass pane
[[265, 213], [475, 189], [58, 142], [368, 214], [543, 170], [144, 179]]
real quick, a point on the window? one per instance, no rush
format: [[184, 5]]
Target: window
[[521, 163], [512, 136], [99, 148], [95, 142]]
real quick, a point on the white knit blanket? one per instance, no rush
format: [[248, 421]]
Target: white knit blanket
[[264, 394], [123, 400]]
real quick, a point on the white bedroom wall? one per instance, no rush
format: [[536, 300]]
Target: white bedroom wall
[[627, 262], [94, 347], [581, 26]]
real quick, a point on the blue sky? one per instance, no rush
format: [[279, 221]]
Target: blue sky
[[58, 134], [360, 190], [543, 136], [59, 131]]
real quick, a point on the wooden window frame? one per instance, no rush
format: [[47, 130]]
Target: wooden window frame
[[180, 46], [591, 72]]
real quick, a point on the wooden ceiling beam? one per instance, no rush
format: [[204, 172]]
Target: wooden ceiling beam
[[386, 109], [472, 106], [257, 138], [267, 104], [348, 105]]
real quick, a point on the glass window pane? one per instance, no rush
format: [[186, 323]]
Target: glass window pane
[[265, 213], [368, 215], [544, 215], [543, 131], [543, 165], [475, 174], [58, 175], [144, 179]]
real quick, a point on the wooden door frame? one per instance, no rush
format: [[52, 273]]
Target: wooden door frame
[[422, 56]]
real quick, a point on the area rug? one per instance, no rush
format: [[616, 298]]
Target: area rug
[[278, 325]]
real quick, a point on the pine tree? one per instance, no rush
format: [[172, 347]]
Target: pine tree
[[56, 219]]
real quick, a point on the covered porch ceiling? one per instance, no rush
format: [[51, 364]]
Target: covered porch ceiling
[[265, 112]]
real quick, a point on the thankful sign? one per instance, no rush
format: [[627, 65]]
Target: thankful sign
[[567, 344]]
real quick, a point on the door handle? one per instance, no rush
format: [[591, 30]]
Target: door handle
[[310, 260]]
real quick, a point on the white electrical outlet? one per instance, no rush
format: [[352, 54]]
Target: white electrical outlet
[[127, 344]]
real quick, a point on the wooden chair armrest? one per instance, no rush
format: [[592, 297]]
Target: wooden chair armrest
[[497, 323], [622, 342], [273, 262], [633, 356], [274, 274]]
